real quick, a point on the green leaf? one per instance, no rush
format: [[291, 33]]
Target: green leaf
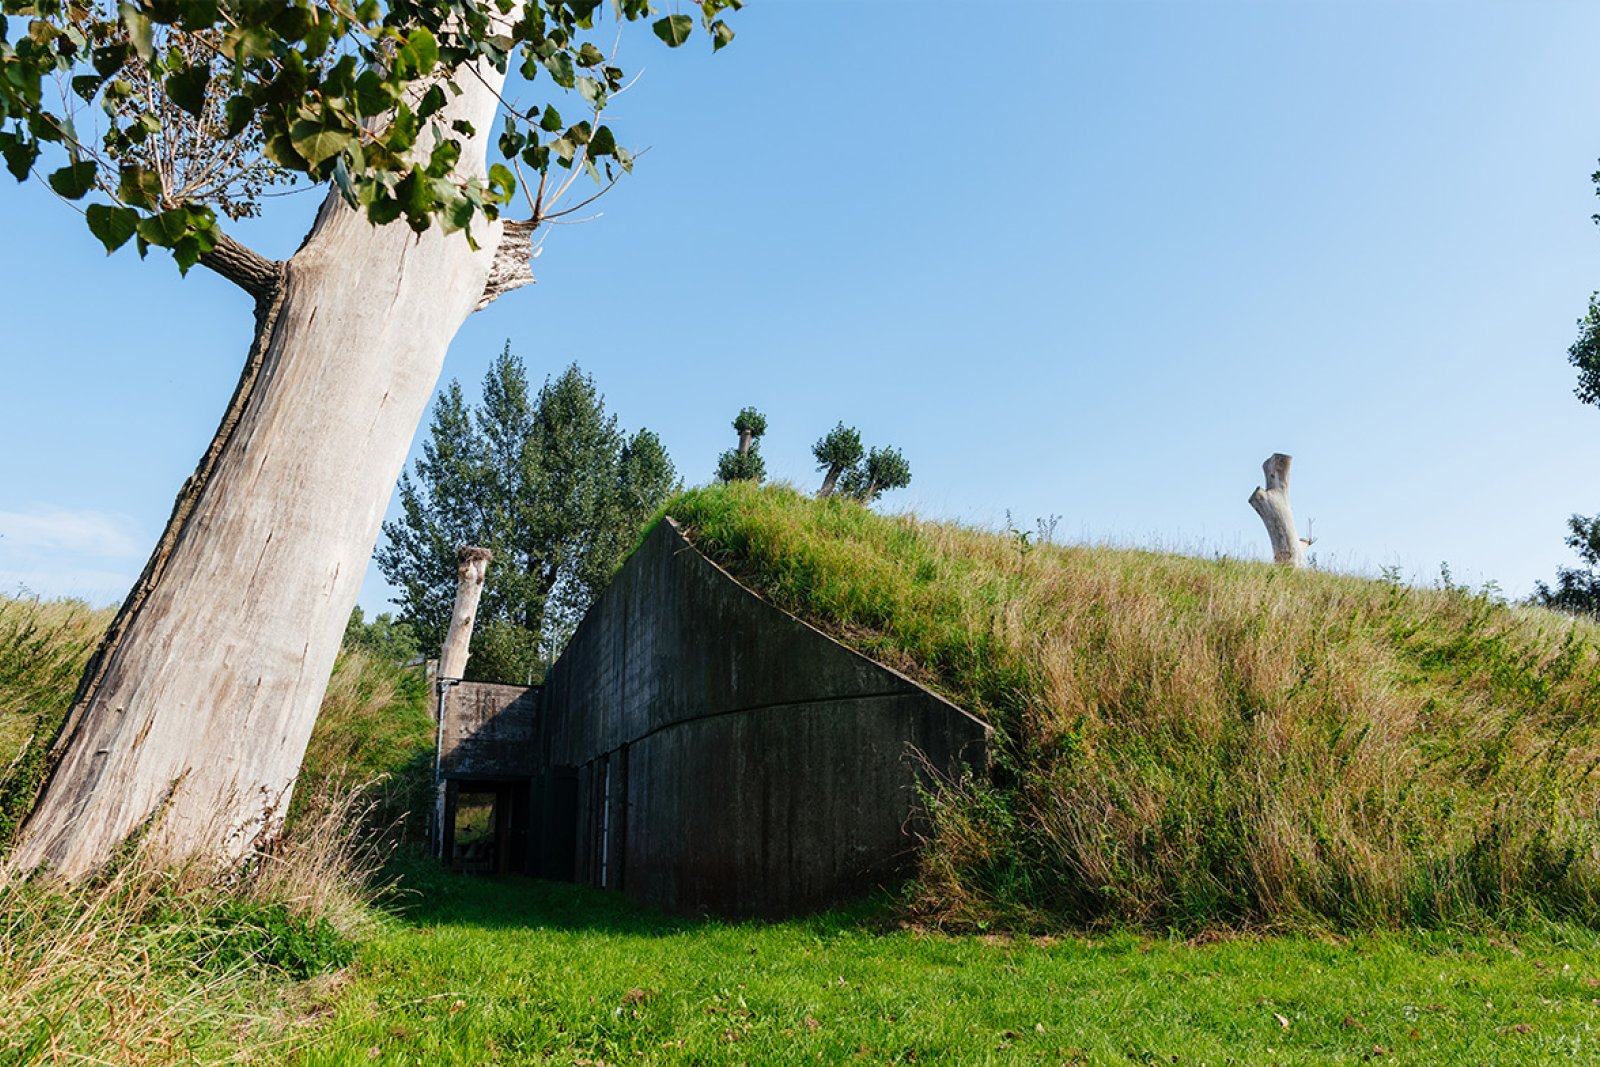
[[165, 229], [139, 30], [19, 154], [139, 186], [111, 225], [187, 88], [86, 85], [550, 121], [502, 182], [432, 101], [721, 35], [73, 180], [239, 112], [593, 93], [424, 48], [316, 142], [560, 68], [603, 143], [589, 55], [674, 29]]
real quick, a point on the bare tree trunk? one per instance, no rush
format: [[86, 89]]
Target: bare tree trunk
[[472, 569], [828, 482], [745, 438], [194, 715], [1272, 504]]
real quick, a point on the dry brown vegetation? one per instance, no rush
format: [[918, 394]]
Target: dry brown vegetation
[[155, 963], [1195, 742]]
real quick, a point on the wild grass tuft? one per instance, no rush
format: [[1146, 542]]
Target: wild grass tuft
[[43, 648], [152, 963], [1207, 742]]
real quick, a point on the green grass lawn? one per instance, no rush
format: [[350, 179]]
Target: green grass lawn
[[517, 971]]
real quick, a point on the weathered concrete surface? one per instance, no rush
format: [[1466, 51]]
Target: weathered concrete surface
[[729, 757], [489, 732]]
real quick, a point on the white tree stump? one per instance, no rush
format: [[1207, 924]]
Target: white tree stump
[[1272, 504], [472, 569]]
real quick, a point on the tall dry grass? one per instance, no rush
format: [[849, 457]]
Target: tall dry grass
[[44, 645], [1195, 742], [153, 962]]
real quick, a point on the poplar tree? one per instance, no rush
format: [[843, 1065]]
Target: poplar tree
[[883, 470], [837, 451], [745, 462], [550, 485], [156, 115]]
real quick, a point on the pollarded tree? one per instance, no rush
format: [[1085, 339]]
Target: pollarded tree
[[549, 484], [745, 464], [884, 469], [199, 703], [750, 425], [836, 451]]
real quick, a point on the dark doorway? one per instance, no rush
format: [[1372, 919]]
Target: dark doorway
[[486, 826]]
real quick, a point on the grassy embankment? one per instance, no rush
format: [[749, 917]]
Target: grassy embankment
[[1208, 743], [1188, 744]]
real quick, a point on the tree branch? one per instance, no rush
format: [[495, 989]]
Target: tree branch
[[249, 270], [513, 262]]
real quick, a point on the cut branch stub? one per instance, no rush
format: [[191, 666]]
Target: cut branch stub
[[1272, 504], [472, 568], [513, 262]]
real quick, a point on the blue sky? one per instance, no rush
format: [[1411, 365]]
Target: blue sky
[[1094, 260]]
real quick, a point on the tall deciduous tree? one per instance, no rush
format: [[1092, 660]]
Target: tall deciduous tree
[[199, 703], [549, 484], [836, 451], [883, 470]]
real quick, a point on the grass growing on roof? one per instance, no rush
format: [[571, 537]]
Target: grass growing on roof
[[1200, 742]]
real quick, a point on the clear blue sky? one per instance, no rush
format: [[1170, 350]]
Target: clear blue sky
[[1090, 259]]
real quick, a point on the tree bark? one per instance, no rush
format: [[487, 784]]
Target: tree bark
[[745, 438], [1272, 504], [194, 714], [828, 482], [472, 568]]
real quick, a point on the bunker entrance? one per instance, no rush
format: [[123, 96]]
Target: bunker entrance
[[486, 826]]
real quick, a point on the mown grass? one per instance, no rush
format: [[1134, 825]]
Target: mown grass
[[516, 971], [1199, 743]]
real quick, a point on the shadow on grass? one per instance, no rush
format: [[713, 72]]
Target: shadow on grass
[[424, 894]]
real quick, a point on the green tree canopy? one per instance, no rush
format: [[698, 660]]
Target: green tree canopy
[[744, 463], [333, 92], [836, 451], [884, 469], [550, 484]]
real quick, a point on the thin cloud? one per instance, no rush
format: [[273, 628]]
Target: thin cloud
[[43, 529]]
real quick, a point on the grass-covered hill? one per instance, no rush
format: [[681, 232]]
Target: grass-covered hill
[[1201, 742]]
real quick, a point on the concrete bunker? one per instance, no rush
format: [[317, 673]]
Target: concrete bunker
[[698, 749]]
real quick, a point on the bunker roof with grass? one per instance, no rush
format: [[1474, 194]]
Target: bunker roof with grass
[[1202, 742]]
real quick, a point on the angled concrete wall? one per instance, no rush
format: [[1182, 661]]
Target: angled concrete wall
[[489, 732], [720, 755]]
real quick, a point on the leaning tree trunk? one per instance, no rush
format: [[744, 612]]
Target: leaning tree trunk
[[746, 437], [829, 482], [1272, 504], [193, 717]]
